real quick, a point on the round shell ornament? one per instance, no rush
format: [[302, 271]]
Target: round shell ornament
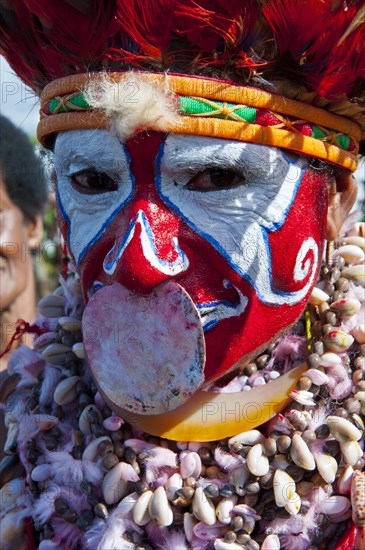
[[146, 353]]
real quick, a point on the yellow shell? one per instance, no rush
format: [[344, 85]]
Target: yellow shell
[[209, 416]]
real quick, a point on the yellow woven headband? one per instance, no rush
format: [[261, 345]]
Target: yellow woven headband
[[217, 109]]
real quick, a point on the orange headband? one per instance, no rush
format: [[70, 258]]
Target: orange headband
[[217, 109]]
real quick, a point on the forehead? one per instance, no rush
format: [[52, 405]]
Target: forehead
[[5, 200], [102, 145]]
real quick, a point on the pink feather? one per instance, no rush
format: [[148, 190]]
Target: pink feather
[[156, 462], [226, 461]]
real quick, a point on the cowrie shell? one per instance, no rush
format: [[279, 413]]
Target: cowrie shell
[[335, 504], [45, 422], [174, 483], [239, 477], [84, 422], [354, 240], [141, 515], [358, 498], [251, 437], [342, 430], [115, 482], [208, 532], [300, 453], [220, 544], [294, 504], [256, 461], [337, 340], [65, 391], [318, 377], [358, 333], [224, 509], [44, 340], [188, 526], [318, 296], [203, 508], [327, 467], [344, 481], [284, 488], [357, 229], [79, 350], [190, 464], [330, 359], [11, 527], [41, 472], [351, 253], [159, 508], [52, 305], [351, 452], [346, 307], [112, 423], [56, 353], [271, 542], [91, 451], [70, 323], [355, 273]]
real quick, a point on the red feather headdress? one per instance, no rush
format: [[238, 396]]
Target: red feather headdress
[[311, 50]]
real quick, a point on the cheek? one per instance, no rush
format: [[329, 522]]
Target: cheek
[[305, 223], [295, 251], [13, 234]]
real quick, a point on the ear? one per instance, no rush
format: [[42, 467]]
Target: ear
[[35, 231], [341, 198]]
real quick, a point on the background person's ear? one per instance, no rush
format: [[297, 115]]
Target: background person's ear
[[35, 232], [341, 197]]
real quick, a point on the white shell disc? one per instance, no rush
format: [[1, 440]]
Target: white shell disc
[[146, 353]]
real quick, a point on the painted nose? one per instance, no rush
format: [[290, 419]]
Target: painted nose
[[137, 263]]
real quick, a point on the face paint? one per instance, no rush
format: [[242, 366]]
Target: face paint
[[239, 226]]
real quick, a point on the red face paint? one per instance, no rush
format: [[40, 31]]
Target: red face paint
[[247, 254]]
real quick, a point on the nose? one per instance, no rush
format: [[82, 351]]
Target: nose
[[145, 251], [136, 261]]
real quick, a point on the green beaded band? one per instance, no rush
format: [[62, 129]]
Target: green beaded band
[[229, 111], [201, 107], [69, 103]]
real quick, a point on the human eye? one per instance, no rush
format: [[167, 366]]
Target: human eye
[[215, 179], [93, 182]]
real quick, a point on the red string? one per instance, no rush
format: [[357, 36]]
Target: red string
[[65, 260], [21, 328], [30, 534]]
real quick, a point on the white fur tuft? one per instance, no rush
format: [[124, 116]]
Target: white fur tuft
[[133, 105]]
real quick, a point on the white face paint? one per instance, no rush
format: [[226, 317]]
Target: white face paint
[[172, 269], [236, 221], [245, 247], [89, 216]]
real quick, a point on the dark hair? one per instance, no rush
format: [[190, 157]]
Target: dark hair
[[21, 170]]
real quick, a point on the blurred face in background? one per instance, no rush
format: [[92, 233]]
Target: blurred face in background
[[18, 237]]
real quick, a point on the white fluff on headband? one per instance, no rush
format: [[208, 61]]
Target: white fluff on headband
[[132, 105]]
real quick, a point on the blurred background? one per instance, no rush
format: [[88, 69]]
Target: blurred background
[[19, 105]]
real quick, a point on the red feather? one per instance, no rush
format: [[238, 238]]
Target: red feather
[[147, 23], [311, 31], [353, 538], [53, 39], [348, 63], [45, 40], [296, 23], [206, 23]]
